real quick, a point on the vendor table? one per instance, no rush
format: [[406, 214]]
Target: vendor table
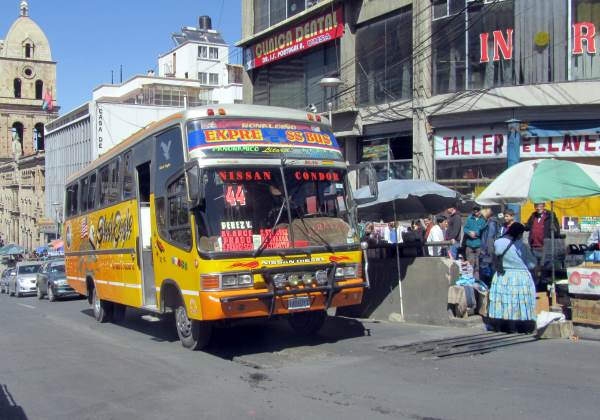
[[584, 282]]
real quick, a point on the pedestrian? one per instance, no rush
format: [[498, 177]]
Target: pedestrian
[[453, 232], [436, 234], [508, 219], [488, 237], [428, 222], [474, 227], [540, 226], [512, 295]]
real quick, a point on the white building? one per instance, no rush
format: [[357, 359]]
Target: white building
[[201, 54]]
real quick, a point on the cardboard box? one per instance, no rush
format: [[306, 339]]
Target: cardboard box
[[585, 311], [542, 302]]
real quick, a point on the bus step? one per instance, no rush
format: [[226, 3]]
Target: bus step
[[151, 308]]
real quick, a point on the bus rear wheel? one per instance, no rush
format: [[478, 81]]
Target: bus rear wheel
[[102, 308], [307, 323], [194, 335]]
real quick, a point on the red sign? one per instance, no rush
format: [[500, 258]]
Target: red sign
[[307, 34], [279, 238], [316, 176], [245, 175]]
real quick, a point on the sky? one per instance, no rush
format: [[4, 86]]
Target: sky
[[90, 38]]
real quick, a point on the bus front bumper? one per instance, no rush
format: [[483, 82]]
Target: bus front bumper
[[252, 303]]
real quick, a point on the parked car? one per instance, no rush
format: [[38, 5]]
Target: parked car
[[6, 274], [25, 279], [52, 281]]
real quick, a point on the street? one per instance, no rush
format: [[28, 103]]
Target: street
[[56, 362]]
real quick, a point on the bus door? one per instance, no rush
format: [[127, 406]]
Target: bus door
[[145, 234]]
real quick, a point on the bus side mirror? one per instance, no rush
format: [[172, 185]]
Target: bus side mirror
[[195, 186], [367, 179]]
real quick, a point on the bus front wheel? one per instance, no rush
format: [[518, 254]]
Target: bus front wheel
[[102, 308], [194, 335]]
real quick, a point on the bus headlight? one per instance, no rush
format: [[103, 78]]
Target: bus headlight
[[230, 281], [347, 272], [280, 280]]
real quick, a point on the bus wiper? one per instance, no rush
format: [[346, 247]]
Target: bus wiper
[[267, 240]]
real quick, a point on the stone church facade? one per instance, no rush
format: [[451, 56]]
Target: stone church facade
[[27, 104]]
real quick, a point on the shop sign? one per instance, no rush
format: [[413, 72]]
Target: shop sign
[[303, 36], [491, 144], [47, 226], [584, 40]]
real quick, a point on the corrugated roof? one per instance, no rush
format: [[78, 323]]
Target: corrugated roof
[[198, 35]]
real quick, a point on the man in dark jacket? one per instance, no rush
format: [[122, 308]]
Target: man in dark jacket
[[453, 232], [540, 226]]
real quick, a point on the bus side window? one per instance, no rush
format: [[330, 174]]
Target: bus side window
[[72, 195], [91, 200], [127, 177], [85, 187], [104, 186], [179, 228]]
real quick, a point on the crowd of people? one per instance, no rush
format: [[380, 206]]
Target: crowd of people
[[491, 247]]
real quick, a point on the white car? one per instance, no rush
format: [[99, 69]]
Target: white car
[[25, 280]]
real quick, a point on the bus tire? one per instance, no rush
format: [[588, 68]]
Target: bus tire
[[118, 314], [102, 309], [307, 323], [194, 335]]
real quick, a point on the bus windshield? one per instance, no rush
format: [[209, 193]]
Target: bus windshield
[[266, 208]]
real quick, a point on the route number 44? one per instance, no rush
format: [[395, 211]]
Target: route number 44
[[235, 195]]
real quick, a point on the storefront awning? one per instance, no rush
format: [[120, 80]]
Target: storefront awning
[[561, 128]]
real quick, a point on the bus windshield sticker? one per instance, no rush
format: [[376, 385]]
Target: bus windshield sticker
[[235, 195], [237, 236]]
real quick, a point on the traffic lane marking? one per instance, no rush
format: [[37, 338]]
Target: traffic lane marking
[[26, 306]]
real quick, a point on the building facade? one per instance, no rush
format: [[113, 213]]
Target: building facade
[[434, 89], [202, 54], [27, 92]]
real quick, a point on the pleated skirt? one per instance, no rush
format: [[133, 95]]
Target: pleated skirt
[[512, 296]]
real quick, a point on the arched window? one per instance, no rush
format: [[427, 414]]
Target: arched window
[[39, 89], [17, 86], [28, 50], [17, 138], [38, 138]]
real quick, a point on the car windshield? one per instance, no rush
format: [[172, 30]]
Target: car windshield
[[57, 268], [29, 269], [246, 210]]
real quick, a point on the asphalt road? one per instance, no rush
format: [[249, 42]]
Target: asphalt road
[[56, 362]]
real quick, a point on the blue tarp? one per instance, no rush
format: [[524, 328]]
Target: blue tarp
[[561, 128]]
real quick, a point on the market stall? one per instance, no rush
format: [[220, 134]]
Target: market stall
[[550, 180]]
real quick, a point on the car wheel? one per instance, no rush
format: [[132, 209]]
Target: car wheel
[[118, 314], [102, 308], [194, 335], [51, 295], [307, 323], [40, 295]]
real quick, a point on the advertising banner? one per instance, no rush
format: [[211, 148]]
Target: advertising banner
[[491, 144], [307, 34], [256, 134]]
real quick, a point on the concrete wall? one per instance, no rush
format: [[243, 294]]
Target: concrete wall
[[425, 282]]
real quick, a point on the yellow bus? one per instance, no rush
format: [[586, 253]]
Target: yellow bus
[[217, 213]]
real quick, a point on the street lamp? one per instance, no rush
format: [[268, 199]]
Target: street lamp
[[56, 206], [332, 83]]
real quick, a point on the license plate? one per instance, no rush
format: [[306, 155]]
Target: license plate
[[297, 303]]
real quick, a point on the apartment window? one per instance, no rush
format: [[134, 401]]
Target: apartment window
[[213, 53], [213, 79], [445, 8], [17, 88], [294, 82], [384, 59], [270, 12], [203, 78], [586, 65], [202, 51]]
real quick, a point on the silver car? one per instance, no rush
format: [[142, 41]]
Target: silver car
[[25, 280], [6, 275]]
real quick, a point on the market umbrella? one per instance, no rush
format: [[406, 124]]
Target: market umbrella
[[542, 180], [57, 244], [41, 249], [405, 198], [13, 250]]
